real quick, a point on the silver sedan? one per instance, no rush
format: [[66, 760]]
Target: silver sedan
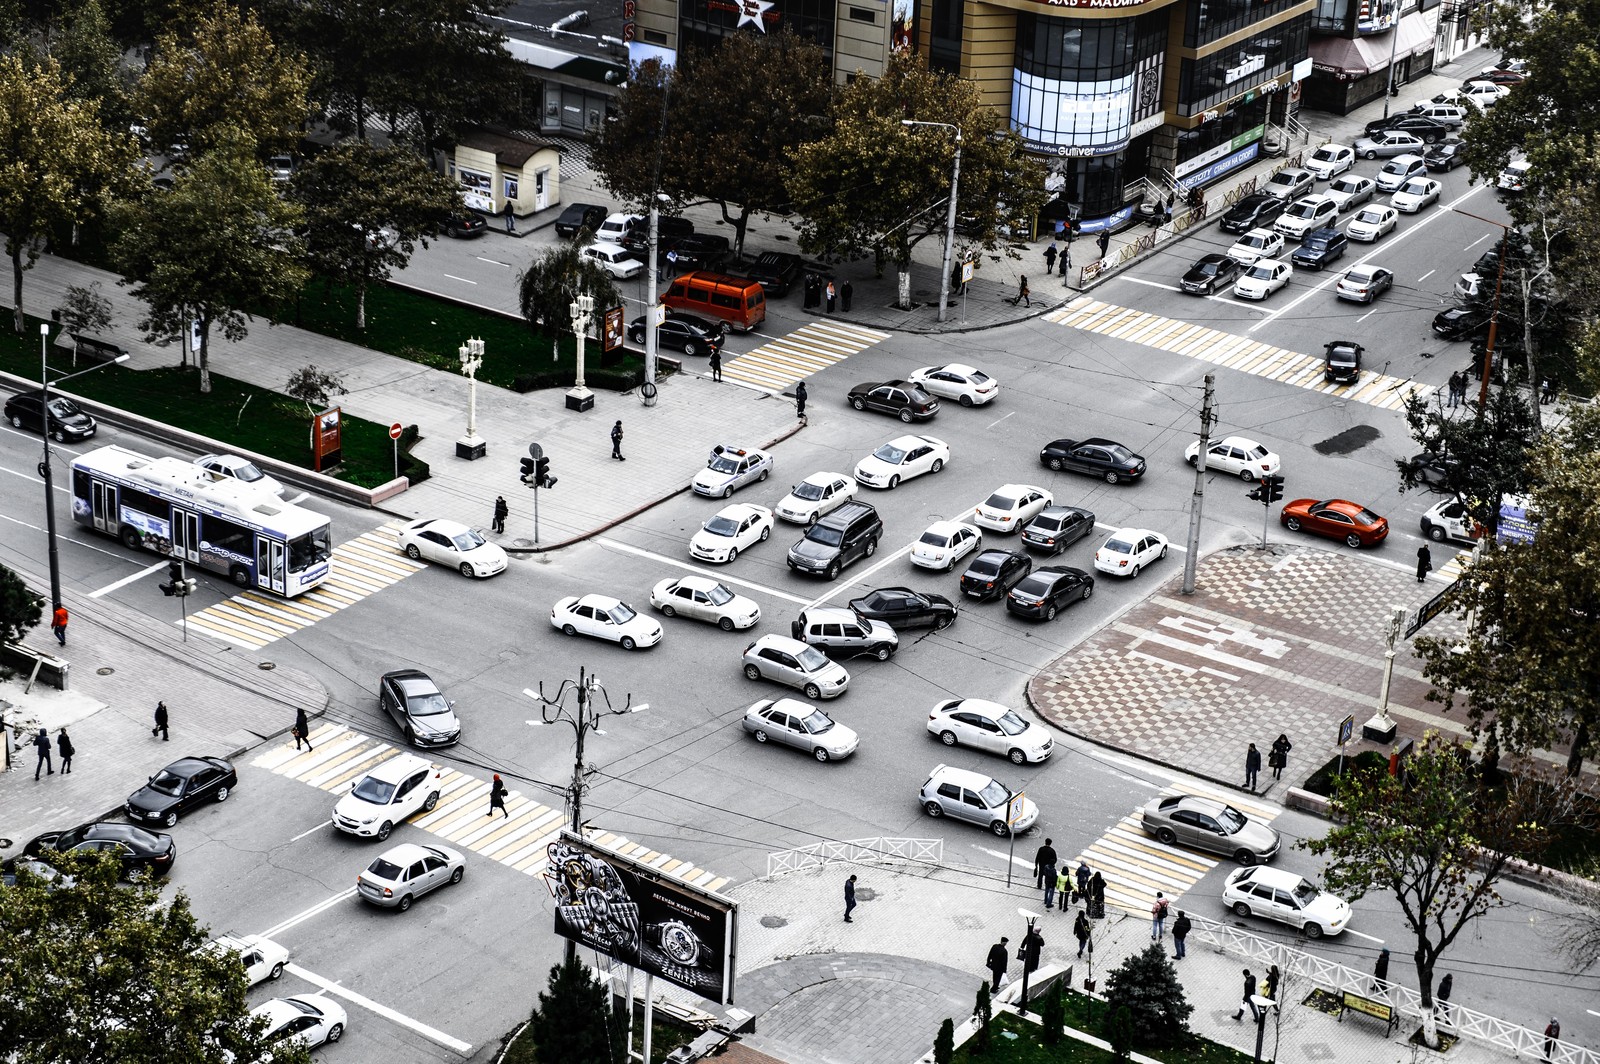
[[794, 723], [403, 873]]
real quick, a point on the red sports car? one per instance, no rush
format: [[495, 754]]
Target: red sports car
[[1336, 519]]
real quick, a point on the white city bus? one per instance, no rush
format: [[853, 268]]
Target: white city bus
[[178, 510]]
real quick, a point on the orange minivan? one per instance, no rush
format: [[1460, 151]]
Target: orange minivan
[[739, 301]]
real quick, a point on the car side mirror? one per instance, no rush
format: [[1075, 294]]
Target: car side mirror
[[150, 779]]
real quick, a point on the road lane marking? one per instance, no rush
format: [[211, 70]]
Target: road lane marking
[[463, 280], [1476, 242], [493, 262], [997, 421], [432, 1034], [1427, 275], [125, 581], [313, 831], [305, 914], [699, 570]]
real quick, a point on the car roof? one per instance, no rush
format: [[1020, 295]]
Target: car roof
[[188, 766], [946, 527], [398, 768], [607, 246], [779, 642], [406, 852], [1278, 877], [741, 510], [911, 439], [975, 780], [823, 476], [1015, 490], [1192, 801], [696, 581], [413, 681], [1131, 532], [109, 829], [441, 525], [598, 601], [831, 613], [981, 706]]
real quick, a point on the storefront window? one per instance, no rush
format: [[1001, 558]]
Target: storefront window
[[511, 187], [1211, 20], [1221, 135], [1223, 75], [1078, 83], [476, 182]]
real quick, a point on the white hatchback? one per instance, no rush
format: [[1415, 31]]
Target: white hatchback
[[1256, 244]]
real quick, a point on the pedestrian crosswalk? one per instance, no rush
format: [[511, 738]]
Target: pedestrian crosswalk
[[1135, 865], [1232, 352], [361, 567], [340, 755], [780, 362]]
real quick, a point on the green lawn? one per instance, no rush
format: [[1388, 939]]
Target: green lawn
[[664, 1038], [1028, 1046]]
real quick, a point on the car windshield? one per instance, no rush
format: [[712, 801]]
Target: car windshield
[[719, 595], [935, 539], [1415, 188], [468, 540], [371, 789], [1012, 724], [1325, 155], [1033, 585], [1206, 267], [1119, 546], [309, 549], [384, 869], [723, 464], [1231, 819], [808, 491], [998, 501], [811, 659], [828, 537], [1369, 216], [64, 408], [427, 704], [994, 796], [167, 782], [248, 472], [1305, 893], [1261, 273], [621, 613], [817, 723], [890, 453], [722, 526]]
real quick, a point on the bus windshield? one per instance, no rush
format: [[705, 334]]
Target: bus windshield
[[309, 549]]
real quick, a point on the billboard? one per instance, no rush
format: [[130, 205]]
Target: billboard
[[642, 917]]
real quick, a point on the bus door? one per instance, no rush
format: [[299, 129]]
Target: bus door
[[271, 556], [103, 503], [186, 535]]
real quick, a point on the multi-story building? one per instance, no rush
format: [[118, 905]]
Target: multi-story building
[[1362, 48]]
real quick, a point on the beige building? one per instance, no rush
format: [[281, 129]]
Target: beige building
[[496, 168]]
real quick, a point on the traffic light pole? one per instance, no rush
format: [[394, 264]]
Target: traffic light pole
[[536, 513], [1191, 559]]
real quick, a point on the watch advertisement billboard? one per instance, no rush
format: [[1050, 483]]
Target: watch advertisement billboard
[[643, 917]]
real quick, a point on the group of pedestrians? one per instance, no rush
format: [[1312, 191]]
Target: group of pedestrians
[[999, 959], [1269, 989], [1277, 761], [41, 743], [1456, 388], [825, 292], [1062, 885]]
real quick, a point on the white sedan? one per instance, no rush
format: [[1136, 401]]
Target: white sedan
[[454, 544], [901, 459], [1256, 244], [964, 384], [1415, 194], [311, 1020], [1262, 279], [729, 468], [818, 494], [704, 599], [1245, 459], [1483, 93], [992, 727], [232, 467], [1011, 506], [1373, 222], [262, 958], [944, 544], [604, 617], [1128, 550], [734, 528]]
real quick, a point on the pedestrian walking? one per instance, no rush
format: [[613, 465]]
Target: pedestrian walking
[[849, 898], [1180, 935], [511, 218], [65, 748], [1271, 989], [1552, 1032], [161, 723], [1380, 971], [846, 293], [1044, 871], [1278, 758], [1547, 391], [1022, 292], [1066, 260], [1097, 895], [616, 441], [1457, 388], [41, 742], [1103, 241], [1050, 258], [1063, 886], [1441, 996], [1424, 563], [1252, 766], [1249, 992], [1158, 917], [58, 623], [716, 366], [1081, 931], [999, 958], [497, 796], [833, 294], [1083, 878], [1032, 948], [800, 395], [501, 512], [302, 730]]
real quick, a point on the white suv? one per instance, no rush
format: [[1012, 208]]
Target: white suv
[[1306, 214], [387, 795]]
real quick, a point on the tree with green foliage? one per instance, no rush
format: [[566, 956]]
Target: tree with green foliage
[[718, 126], [872, 186], [1530, 662], [556, 277], [224, 73], [575, 1022], [85, 310], [217, 249], [95, 972], [1146, 986], [366, 209], [58, 164], [1484, 458], [944, 1043], [20, 608], [1119, 1032], [983, 1013], [1432, 839], [92, 61], [1053, 1013]]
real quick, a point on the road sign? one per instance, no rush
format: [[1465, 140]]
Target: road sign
[[1347, 728], [535, 451], [966, 272], [1014, 808], [394, 431]]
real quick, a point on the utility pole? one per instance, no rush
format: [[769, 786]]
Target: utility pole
[[1206, 418]]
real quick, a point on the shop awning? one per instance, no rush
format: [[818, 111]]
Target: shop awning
[[1416, 36], [1351, 57]]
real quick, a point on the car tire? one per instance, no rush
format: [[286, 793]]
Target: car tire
[[938, 465], [240, 576], [1369, 155], [1054, 464], [1088, 589], [627, 643], [668, 611], [752, 673], [944, 620], [16, 422], [401, 906], [1050, 614], [567, 629], [1245, 858], [812, 691], [882, 651], [933, 809], [277, 971], [1436, 533], [1016, 757], [1241, 909], [1292, 524], [820, 754], [1193, 460], [965, 400], [765, 533], [222, 794], [637, 336], [466, 570], [832, 572], [336, 1032], [433, 800], [1112, 478], [59, 436], [870, 549], [456, 876], [859, 403], [171, 819], [905, 415], [1247, 476], [894, 482], [726, 624], [1135, 572], [998, 827], [727, 492], [1167, 836], [413, 553], [760, 735], [383, 830], [691, 348], [1353, 541], [1163, 553], [1313, 930], [733, 552]]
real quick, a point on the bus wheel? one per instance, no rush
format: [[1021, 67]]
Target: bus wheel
[[130, 537], [240, 576]]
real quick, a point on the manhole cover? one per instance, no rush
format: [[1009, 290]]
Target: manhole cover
[[774, 921], [266, 666], [104, 670]]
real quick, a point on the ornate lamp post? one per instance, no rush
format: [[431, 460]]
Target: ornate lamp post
[[582, 311], [471, 355], [950, 215]]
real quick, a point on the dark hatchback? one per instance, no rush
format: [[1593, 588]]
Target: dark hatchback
[[907, 401], [1106, 459], [25, 410], [1209, 273], [1319, 248], [1253, 211], [901, 607], [1459, 323], [701, 251], [682, 332], [138, 849], [577, 217], [1445, 157], [1047, 591], [179, 787], [994, 572], [1058, 527], [775, 271]]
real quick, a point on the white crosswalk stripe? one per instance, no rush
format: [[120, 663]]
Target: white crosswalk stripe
[[782, 361]]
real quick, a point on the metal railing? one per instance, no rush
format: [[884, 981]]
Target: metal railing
[[1335, 977], [856, 851]]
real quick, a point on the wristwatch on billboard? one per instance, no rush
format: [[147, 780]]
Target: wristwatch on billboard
[[683, 957]]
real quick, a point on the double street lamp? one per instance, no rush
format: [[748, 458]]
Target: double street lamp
[[950, 214]]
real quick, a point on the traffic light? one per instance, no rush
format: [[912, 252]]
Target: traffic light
[[1256, 494], [528, 471], [1274, 487], [174, 584], [541, 472]]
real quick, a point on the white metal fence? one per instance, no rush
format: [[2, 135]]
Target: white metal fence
[[856, 851]]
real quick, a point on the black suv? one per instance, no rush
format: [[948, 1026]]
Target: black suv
[[669, 231], [701, 251], [25, 410], [1458, 323], [579, 216], [1320, 247], [1255, 210], [845, 536], [775, 271]]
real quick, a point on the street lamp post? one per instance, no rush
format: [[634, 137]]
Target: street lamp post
[[581, 308], [471, 356], [582, 721], [1030, 956], [44, 466], [950, 215]]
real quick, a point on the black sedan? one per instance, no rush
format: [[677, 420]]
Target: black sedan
[[414, 702], [901, 607], [138, 849], [25, 410], [1057, 528], [577, 217], [180, 787], [701, 251], [1257, 210], [1106, 459], [681, 332], [994, 572], [1319, 248], [1428, 130], [1432, 469], [1459, 323], [1209, 273], [1442, 158], [909, 402], [466, 225], [1048, 591]]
